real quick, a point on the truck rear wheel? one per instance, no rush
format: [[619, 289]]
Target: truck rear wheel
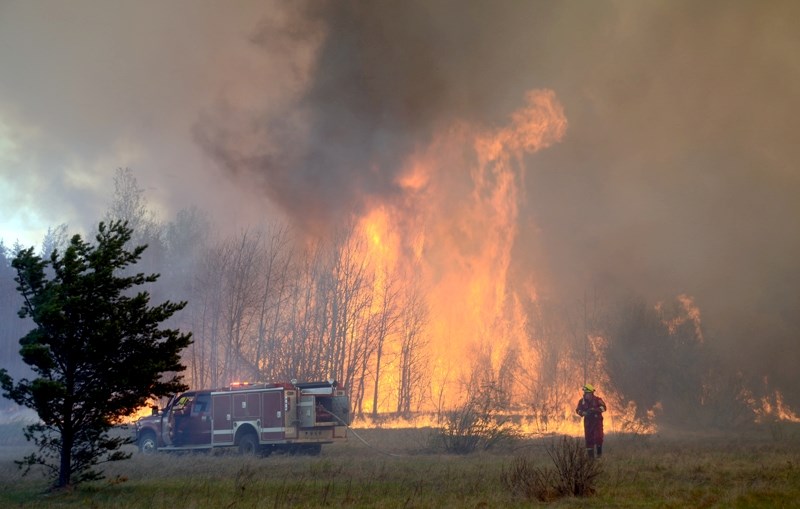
[[248, 444], [148, 443]]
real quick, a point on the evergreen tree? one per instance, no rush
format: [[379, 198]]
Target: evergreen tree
[[96, 349]]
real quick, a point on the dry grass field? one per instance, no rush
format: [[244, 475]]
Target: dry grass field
[[397, 469]]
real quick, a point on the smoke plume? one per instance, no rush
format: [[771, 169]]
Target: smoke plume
[[678, 175]]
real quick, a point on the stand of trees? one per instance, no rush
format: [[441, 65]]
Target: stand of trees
[[265, 304], [265, 309]]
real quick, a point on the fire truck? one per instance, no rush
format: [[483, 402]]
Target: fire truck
[[256, 418]]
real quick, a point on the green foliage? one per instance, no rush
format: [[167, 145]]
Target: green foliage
[[97, 351]]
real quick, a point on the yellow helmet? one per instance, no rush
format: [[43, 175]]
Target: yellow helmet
[[588, 388]]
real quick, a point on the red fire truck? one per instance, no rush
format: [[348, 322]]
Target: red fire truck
[[255, 417]]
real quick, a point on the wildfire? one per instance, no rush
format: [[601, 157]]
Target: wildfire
[[769, 407], [774, 407], [140, 412], [452, 232], [689, 313]]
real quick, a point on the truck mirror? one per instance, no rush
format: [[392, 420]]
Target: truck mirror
[[154, 409]]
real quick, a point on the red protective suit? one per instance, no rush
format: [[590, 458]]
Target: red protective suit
[[591, 409]]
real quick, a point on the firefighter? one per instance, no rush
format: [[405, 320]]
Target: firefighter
[[591, 408]]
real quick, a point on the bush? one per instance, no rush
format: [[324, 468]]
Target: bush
[[476, 425], [575, 473], [525, 480], [468, 429]]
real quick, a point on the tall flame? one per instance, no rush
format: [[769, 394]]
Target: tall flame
[[454, 229]]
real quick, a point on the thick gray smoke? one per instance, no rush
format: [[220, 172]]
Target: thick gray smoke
[[678, 173], [385, 77]]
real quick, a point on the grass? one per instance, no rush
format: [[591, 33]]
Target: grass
[[397, 469]]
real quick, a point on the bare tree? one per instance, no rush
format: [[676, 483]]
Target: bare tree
[[130, 205], [412, 365], [553, 379], [55, 238], [206, 310], [186, 240], [386, 318], [241, 262], [274, 289], [347, 287], [263, 309]]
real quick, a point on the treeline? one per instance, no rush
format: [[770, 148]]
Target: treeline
[[267, 304], [264, 304], [262, 308], [12, 327]]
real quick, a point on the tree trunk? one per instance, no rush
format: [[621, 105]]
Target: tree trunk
[[67, 441]]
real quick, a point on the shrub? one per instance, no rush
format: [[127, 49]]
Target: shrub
[[477, 424], [525, 480], [575, 473]]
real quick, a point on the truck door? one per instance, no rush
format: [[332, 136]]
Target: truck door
[[180, 418], [223, 426], [167, 421], [273, 415], [198, 425]]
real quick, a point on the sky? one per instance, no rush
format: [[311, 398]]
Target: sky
[[88, 87], [678, 173]]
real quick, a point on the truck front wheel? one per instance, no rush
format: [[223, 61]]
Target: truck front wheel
[[147, 443], [248, 444]]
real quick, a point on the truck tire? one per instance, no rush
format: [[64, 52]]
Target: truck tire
[[147, 443], [248, 444]]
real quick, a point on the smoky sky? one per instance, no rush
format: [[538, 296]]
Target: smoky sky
[[678, 172], [386, 76]]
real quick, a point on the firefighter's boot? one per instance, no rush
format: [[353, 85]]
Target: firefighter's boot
[[590, 452], [599, 450]]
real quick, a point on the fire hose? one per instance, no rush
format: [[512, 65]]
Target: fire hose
[[362, 440]]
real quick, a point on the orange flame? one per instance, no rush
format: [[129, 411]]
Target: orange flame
[[770, 407], [453, 231], [689, 313]]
